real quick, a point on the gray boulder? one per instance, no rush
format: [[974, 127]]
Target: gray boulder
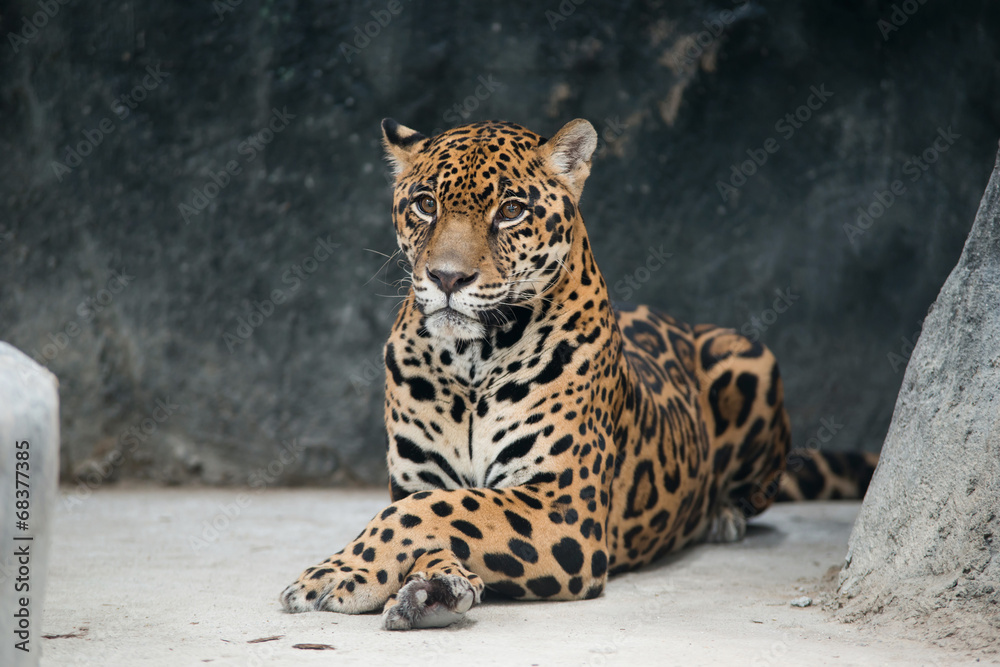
[[925, 546]]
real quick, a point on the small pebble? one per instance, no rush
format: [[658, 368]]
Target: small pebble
[[802, 601]]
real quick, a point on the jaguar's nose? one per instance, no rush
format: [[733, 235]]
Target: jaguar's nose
[[451, 281]]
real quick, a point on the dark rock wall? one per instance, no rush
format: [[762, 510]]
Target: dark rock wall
[[200, 261]]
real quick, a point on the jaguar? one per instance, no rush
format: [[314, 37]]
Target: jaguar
[[541, 438]]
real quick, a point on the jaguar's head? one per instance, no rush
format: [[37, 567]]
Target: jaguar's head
[[486, 216]]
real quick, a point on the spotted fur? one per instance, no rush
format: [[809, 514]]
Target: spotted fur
[[539, 439], [817, 475]]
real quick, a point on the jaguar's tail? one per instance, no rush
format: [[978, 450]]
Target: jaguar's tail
[[816, 475]]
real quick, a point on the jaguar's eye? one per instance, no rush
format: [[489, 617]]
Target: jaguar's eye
[[427, 205], [510, 210]]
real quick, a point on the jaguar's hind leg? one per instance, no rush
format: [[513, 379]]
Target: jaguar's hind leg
[[728, 525]]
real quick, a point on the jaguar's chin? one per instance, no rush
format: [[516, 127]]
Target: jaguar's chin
[[449, 323]]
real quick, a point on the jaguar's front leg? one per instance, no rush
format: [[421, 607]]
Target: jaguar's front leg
[[366, 573], [426, 558]]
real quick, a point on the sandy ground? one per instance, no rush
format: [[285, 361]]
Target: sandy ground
[[139, 577]]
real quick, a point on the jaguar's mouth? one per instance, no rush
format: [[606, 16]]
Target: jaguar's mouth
[[449, 314], [450, 323], [454, 323]]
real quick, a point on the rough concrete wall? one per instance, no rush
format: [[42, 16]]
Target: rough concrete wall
[[925, 545], [680, 92]]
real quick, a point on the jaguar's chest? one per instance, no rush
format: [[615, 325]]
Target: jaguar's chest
[[469, 414]]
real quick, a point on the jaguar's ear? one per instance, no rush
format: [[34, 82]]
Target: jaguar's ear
[[568, 153], [401, 144]]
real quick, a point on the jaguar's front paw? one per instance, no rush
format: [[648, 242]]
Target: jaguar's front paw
[[296, 598], [336, 586], [434, 603]]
